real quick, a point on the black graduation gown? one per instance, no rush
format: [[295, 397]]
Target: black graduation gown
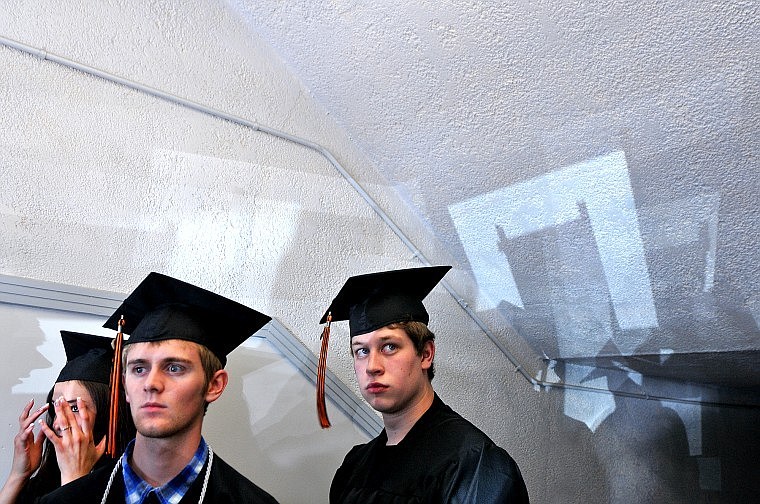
[[442, 459], [48, 479], [225, 485]]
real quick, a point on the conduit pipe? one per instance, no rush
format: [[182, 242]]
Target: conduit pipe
[[536, 383]]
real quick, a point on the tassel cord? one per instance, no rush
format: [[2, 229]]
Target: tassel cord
[[113, 414], [324, 421]]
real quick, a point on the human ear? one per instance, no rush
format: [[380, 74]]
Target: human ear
[[428, 353], [216, 385]]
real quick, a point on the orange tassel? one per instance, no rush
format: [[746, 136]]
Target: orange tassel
[[324, 422], [113, 414]]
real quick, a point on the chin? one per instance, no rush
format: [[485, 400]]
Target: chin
[[381, 404], [154, 431], [151, 433]]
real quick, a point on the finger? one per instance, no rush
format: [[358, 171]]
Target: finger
[[40, 438], [36, 414], [49, 434], [25, 418], [85, 415], [24, 435], [25, 411], [66, 417]]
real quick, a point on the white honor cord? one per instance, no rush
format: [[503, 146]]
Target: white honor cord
[[203, 489], [208, 474], [110, 480]]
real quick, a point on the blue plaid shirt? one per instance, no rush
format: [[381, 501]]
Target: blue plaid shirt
[[136, 489]]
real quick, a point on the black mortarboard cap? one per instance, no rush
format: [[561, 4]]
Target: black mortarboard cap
[[88, 358], [375, 300], [163, 308]]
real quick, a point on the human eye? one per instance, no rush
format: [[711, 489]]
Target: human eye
[[389, 347], [74, 408], [137, 369], [175, 368], [360, 352]]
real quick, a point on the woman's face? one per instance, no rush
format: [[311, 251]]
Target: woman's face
[[70, 390]]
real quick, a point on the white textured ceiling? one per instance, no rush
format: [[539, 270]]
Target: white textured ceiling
[[594, 164]]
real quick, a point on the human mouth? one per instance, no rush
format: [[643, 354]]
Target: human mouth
[[152, 407], [376, 388]]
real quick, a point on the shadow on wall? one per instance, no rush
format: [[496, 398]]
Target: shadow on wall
[[729, 466], [639, 450], [20, 336], [581, 477], [644, 451]]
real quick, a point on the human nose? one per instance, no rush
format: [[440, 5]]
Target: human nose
[[374, 364], [152, 382]]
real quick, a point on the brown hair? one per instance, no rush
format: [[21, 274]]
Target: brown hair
[[210, 362], [420, 334]]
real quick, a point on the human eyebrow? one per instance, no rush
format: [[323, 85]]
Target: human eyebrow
[[176, 360], [165, 360], [357, 346], [132, 362], [389, 339]]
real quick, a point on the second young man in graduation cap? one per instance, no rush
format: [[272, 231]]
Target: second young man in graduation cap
[[173, 368], [426, 452]]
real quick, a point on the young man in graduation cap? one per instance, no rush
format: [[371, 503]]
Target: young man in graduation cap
[[426, 452], [173, 367]]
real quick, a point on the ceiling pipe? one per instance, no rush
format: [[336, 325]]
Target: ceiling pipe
[[519, 368]]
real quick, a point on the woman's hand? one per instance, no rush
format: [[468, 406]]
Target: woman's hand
[[27, 449], [27, 453], [74, 445]]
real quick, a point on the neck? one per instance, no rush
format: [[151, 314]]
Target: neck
[[158, 460], [399, 423]]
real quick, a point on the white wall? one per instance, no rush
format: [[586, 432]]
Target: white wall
[[100, 184]]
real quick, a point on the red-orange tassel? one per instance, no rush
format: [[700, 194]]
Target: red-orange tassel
[[113, 414], [324, 422]]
